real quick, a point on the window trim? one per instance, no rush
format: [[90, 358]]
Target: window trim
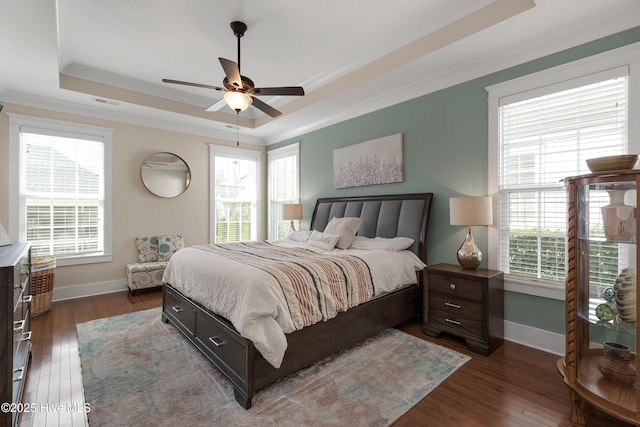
[[624, 56], [241, 153], [16, 122], [273, 155]]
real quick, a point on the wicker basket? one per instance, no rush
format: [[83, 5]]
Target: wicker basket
[[43, 272]]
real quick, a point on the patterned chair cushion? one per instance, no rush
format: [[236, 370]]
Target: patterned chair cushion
[[168, 244], [147, 249], [142, 275]]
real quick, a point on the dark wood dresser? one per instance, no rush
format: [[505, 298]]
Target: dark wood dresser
[[15, 327], [465, 303]]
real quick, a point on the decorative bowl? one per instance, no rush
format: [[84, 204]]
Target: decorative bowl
[[612, 163]]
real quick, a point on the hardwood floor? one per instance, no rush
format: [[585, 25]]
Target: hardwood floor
[[515, 386]]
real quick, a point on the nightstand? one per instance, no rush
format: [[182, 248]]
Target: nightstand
[[465, 303]]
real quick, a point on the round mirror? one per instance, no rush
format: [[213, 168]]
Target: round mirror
[[165, 174]]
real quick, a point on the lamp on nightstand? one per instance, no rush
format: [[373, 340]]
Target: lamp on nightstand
[[470, 211], [292, 212]]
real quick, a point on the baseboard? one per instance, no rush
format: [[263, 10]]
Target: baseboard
[[548, 341], [89, 289]]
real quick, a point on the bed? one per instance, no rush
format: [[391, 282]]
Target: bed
[[388, 217]]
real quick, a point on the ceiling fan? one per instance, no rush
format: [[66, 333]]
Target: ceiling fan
[[240, 90]]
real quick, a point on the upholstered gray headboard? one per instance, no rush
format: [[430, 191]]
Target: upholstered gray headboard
[[405, 215]]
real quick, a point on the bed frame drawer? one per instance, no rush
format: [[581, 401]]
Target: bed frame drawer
[[220, 343], [180, 311], [227, 350]]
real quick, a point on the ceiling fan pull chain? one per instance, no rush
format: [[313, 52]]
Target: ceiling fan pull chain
[[237, 128]]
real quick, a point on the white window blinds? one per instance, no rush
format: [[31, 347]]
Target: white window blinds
[[62, 192], [546, 135], [283, 187], [235, 195]]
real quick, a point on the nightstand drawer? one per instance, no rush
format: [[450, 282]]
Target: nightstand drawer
[[457, 316], [455, 286], [466, 303]]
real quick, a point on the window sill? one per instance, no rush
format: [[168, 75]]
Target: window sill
[[83, 259], [533, 287]]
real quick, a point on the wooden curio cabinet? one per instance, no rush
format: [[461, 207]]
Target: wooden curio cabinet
[[601, 299]]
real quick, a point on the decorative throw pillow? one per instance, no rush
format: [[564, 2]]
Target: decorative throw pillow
[[168, 245], [298, 236], [147, 249], [346, 228], [394, 244], [324, 241]]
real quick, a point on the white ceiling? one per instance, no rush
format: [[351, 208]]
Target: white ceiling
[[351, 57]]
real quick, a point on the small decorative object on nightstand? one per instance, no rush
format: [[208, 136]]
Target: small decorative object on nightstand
[[465, 303], [470, 211], [292, 212]]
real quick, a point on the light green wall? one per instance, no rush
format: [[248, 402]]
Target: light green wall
[[445, 152]]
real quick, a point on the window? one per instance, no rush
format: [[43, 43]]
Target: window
[[283, 187], [542, 130], [63, 188], [234, 194]]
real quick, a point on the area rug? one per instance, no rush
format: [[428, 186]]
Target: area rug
[[137, 370]]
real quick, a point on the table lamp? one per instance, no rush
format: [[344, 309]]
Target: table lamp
[[470, 211], [292, 212]]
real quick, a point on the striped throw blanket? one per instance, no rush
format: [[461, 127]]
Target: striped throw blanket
[[316, 286]]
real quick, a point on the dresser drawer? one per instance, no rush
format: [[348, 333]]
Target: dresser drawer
[[455, 286], [21, 356], [221, 345], [179, 310], [21, 280], [20, 325], [460, 317]]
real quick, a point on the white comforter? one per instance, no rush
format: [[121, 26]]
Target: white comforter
[[252, 300]]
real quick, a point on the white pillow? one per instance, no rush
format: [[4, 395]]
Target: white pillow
[[394, 245], [346, 228], [324, 241], [299, 236]]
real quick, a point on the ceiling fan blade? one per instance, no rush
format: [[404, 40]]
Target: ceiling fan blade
[[232, 72], [288, 90], [218, 105], [264, 107], [178, 82]]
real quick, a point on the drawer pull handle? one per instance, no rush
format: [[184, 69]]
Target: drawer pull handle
[[452, 286], [25, 336], [20, 377], [448, 304], [455, 322], [18, 326], [27, 298], [217, 341], [177, 309]]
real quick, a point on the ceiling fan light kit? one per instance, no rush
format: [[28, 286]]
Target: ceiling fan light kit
[[240, 90], [238, 101]]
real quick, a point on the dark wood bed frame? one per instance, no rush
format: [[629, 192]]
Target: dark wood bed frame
[[382, 216]]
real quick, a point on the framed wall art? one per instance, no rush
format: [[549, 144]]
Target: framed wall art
[[379, 161]]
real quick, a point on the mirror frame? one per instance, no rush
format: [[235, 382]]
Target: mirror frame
[[160, 166]]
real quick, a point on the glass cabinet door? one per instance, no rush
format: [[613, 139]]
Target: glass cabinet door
[[606, 290]]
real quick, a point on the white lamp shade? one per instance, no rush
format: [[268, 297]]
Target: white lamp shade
[[292, 211], [238, 101], [471, 210]]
